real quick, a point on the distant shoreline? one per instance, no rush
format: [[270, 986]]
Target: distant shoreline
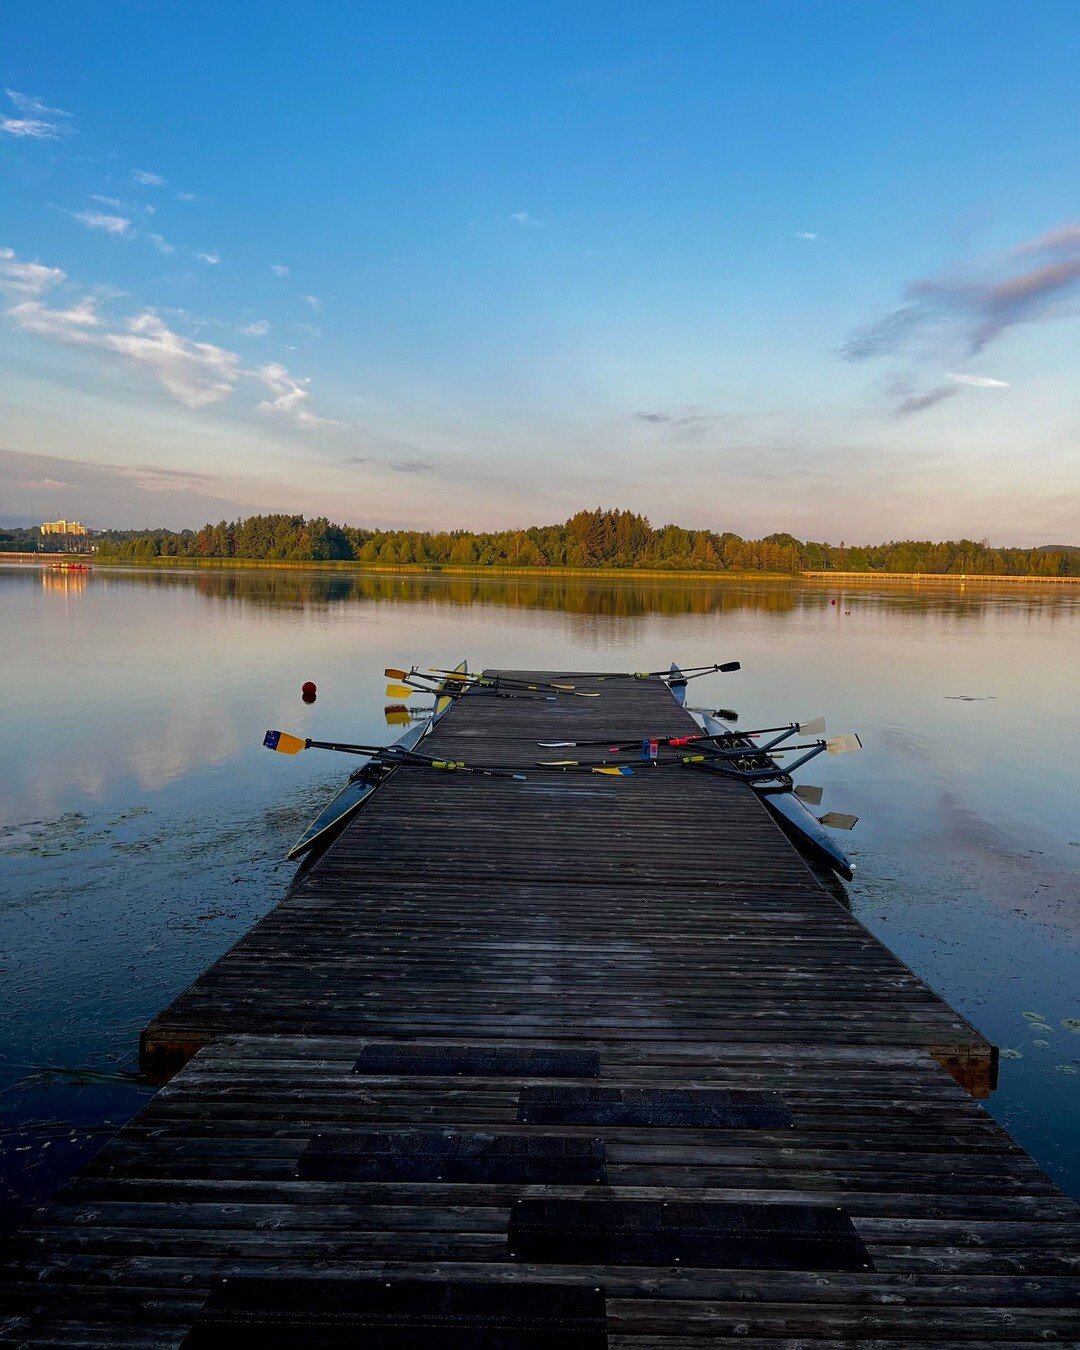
[[599, 573]]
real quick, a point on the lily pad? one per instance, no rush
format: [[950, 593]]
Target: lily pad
[[1006, 1053], [1033, 1016], [1071, 1024]]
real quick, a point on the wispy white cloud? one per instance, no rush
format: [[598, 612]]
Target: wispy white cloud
[[98, 220], [37, 121], [146, 179], [195, 373], [71, 325], [114, 202], [525, 220], [32, 128], [314, 302], [211, 259], [279, 269], [23, 280], [809, 235], [30, 106], [188, 197], [291, 396], [162, 245], [979, 381]]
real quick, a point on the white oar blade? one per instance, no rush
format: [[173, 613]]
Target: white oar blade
[[556, 745], [806, 792], [837, 820], [843, 745], [815, 727]]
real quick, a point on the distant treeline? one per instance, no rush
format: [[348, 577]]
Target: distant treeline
[[600, 539]]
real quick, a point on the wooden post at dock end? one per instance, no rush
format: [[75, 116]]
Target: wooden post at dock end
[[160, 1057], [975, 1067]]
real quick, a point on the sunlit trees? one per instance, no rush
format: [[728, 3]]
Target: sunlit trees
[[589, 539]]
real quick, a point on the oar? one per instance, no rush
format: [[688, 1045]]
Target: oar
[[495, 681], [513, 681], [690, 673], [397, 715], [624, 745], [724, 714], [488, 688], [285, 744], [812, 728]]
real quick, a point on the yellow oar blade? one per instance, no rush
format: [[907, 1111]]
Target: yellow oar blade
[[398, 717], [557, 763], [399, 691], [618, 773], [283, 743]]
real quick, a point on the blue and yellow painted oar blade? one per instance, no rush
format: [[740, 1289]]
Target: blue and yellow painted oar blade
[[622, 772], [283, 743]]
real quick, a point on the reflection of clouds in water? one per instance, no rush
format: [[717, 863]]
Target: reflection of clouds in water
[[193, 736]]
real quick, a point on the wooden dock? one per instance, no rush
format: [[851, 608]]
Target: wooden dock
[[574, 1062]]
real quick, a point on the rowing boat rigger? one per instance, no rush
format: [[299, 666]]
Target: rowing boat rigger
[[772, 784]]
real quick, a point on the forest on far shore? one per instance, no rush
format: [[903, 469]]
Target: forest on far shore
[[597, 539]]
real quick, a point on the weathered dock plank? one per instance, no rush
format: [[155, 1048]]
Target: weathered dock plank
[[965, 1240], [666, 905], [575, 1062]]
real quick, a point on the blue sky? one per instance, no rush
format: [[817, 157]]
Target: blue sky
[[754, 266]]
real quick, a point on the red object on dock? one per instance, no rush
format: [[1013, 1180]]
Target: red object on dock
[[309, 691]]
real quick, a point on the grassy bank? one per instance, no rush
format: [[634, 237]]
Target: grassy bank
[[597, 573]]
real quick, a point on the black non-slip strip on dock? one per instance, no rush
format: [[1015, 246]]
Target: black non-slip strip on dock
[[478, 1061], [654, 1233], [281, 1314], [447, 1155], [714, 1107]]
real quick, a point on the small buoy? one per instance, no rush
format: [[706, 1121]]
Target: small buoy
[[832, 602], [308, 691]]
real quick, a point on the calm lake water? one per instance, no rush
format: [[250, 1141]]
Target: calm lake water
[[143, 827]]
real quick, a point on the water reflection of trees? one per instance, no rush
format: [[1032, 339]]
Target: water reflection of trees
[[614, 597]]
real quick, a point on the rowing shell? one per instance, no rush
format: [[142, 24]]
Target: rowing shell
[[363, 782], [799, 824]]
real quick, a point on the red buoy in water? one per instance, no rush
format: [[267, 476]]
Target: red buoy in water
[[831, 602], [308, 689]]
